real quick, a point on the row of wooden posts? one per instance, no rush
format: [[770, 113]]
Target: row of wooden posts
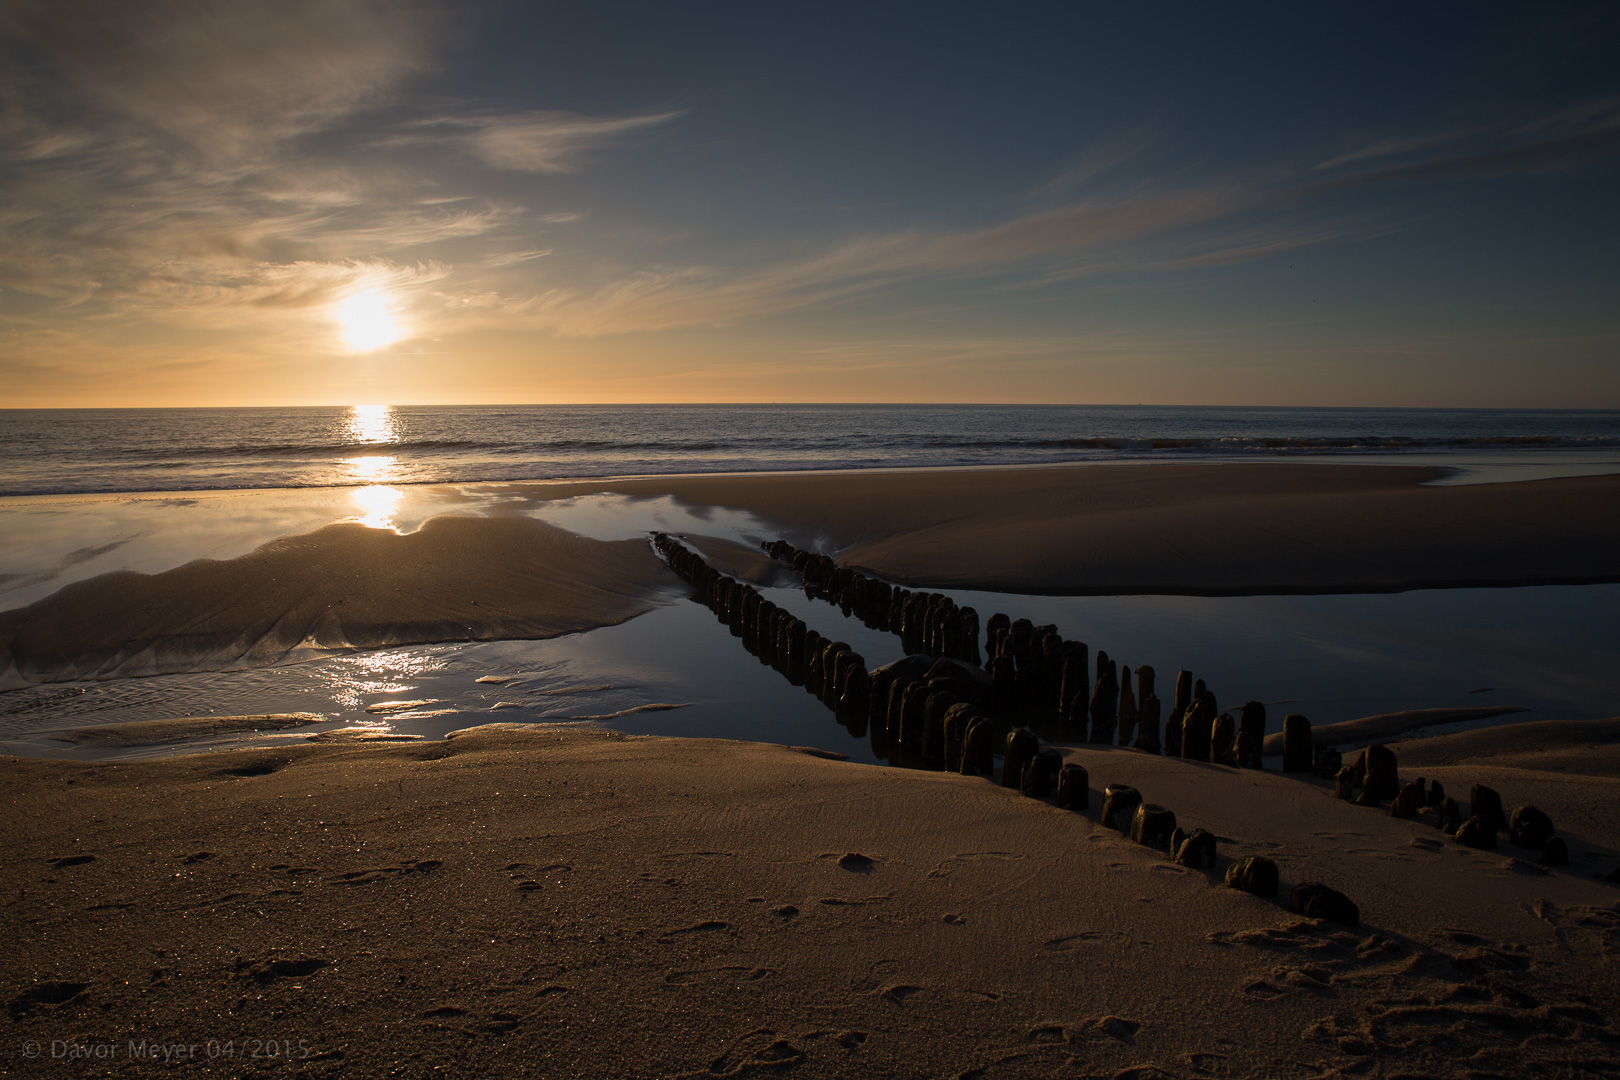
[[939, 707], [1039, 679], [934, 703]]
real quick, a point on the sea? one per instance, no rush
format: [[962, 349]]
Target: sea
[[81, 451], [97, 491]]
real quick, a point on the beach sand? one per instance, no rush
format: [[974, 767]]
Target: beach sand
[[543, 901], [550, 902]]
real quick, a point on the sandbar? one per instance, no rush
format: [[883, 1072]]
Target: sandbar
[[1222, 529], [338, 588]]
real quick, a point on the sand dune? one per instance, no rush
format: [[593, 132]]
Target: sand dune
[[566, 902]]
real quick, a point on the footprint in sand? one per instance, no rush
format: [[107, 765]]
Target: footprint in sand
[[45, 994], [1306, 978], [760, 1049], [279, 967], [853, 861], [1112, 1027], [1094, 1027]]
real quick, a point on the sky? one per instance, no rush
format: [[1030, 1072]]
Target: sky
[[210, 202]]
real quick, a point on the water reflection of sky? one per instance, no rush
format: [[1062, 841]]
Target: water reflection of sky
[[1549, 649]]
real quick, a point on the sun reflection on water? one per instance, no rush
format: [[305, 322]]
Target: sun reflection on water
[[376, 504], [371, 424], [372, 468]]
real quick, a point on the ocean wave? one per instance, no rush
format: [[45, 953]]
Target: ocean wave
[[52, 453], [240, 451], [1285, 443]]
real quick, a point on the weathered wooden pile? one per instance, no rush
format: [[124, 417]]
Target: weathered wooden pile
[[831, 670], [939, 708], [1035, 678], [1374, 779]]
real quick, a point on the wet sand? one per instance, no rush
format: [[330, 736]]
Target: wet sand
[[1184, 529], [560, 903], [340, 587], [1174, 529]]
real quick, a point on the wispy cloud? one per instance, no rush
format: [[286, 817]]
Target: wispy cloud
[[1177, 222], [163, 162], [540, 142], [1101, 157], [1175, 229], [1568, 138], [227, 76]]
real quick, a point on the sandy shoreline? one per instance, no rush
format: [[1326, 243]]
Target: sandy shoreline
[[1178, 529], [544, 903]]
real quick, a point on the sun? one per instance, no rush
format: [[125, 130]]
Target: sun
[[368, 322]]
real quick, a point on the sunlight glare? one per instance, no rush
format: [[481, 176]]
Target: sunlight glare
[[368, 322], [370, 424], [372, 468], [377, 503]]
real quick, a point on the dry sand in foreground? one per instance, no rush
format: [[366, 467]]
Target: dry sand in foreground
[[560, 903]]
